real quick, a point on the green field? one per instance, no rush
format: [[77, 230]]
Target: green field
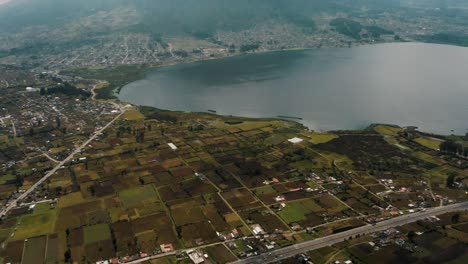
[[96, 233], [429, 142], [318, 138], [426, 157], [41, 208], [138, 196], [267, 189], [387, 130], [295, 212], [36, 224]]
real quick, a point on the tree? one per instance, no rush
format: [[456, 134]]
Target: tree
[[451, 179], [456, 218], [19, 180], [92, 190], [67, 255], [57, 121]]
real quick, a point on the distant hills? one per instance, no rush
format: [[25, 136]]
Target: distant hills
[[30, 28]]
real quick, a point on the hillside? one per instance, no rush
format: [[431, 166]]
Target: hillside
[[62, 34]]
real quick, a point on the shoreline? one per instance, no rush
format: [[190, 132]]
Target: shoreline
[[195, 60], [117, 90], [147, 69]]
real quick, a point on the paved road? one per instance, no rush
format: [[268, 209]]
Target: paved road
[[293, 250], [13, 204], [13, 126]]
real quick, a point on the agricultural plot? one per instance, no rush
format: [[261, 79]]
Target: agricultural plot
[[52, 253], [199, 220], [96, 233], [138, 196], [361, 200], [13, 252], [388, 130], [159, 224], [302, 212], [318, 138], [430, 143], [312, 212], [265, 218], [36, 224], [219, 254], [241, 199], [34, 250], [134, 193]]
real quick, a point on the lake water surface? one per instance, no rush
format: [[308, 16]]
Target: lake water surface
[[417, 84]]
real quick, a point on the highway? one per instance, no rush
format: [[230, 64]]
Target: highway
[[296, 249], [78, 150]]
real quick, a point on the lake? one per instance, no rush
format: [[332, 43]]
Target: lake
[[418, 84]]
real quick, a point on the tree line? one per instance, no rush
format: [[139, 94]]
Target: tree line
[[454, 147]]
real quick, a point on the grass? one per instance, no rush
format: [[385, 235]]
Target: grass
[[70, 200], [293, 213], [36, 224], [96, 233], [429, 142], [305, 164], [138, 196], [340, 160], [267, 189], [391, 140], [426, 157], [133, 115], [102, 85], [318, 138], [41, 208], [387, 130]]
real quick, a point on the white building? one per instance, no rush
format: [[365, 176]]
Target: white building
[[295, 140], [172, 146], [195, 256], [257, 230]]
